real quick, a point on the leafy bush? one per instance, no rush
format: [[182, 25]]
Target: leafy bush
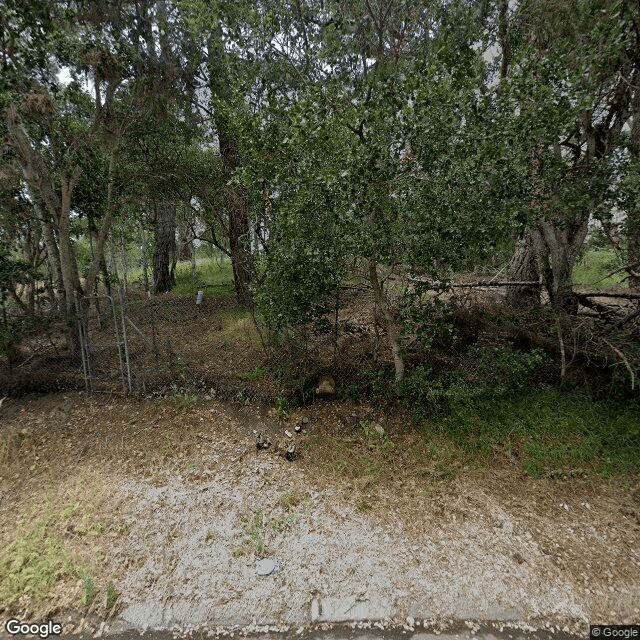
[[505, 367]]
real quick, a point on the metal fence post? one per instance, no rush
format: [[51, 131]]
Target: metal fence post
[[124, 336], [84, 351]]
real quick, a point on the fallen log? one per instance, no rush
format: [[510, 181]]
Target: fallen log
[[608, 294]]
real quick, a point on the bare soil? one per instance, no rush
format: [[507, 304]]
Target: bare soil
[[166, 497], [184, 505]]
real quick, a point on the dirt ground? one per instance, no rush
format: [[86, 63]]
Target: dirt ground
[[173, 506]]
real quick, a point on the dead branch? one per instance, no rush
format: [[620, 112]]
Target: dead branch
[[480, 283], [627, 318], [626, 363], [608, 294], [563, 360]]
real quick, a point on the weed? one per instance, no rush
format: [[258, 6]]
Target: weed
[[95, 528], [89, 592], [111, 596], [12, 441], [183, 397], [33, 563], [282, 406], [505, 367], [283, 523], [253, 533], [546, 430], [363, 505], [252, 375], [292, 499]]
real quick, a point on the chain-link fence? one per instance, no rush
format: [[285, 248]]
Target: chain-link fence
[[132, 342]]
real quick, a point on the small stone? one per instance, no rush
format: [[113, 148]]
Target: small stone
[[326, 386], [297, 428], [378, 429], [305, 420], [265, 567]]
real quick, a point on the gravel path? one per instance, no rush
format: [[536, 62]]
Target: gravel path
[[192, 547]]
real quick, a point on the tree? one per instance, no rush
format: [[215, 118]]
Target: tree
[[584, 63], [373, 165]]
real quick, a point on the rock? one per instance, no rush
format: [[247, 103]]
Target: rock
[[305, 420], [298, 428], [265, 567], [378, 429], [326, 386]]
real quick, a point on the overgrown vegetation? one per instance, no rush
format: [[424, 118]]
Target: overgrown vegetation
[[544, 433], [35, 561]]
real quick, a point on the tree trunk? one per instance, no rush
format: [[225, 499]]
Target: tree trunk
[[240, 256], [393, 331], [239, 237], [563, 244], [525, 266], [68, 262], [144, 248], [194, 265], [184, 241], [53, 255], [548, 254], [107, 221], [164, 246]]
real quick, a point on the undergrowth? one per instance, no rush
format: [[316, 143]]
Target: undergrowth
[[547, 431], [34, 562]]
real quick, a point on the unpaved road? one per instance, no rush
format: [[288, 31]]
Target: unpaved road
[[486, 632], [179, 534]]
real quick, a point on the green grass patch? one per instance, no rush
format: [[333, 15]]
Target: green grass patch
[[292, 499], [544, 433], [594, 266], [34, 562], [257, 373], [213, 278], [363, 505], [237, 327], [547, 431]]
